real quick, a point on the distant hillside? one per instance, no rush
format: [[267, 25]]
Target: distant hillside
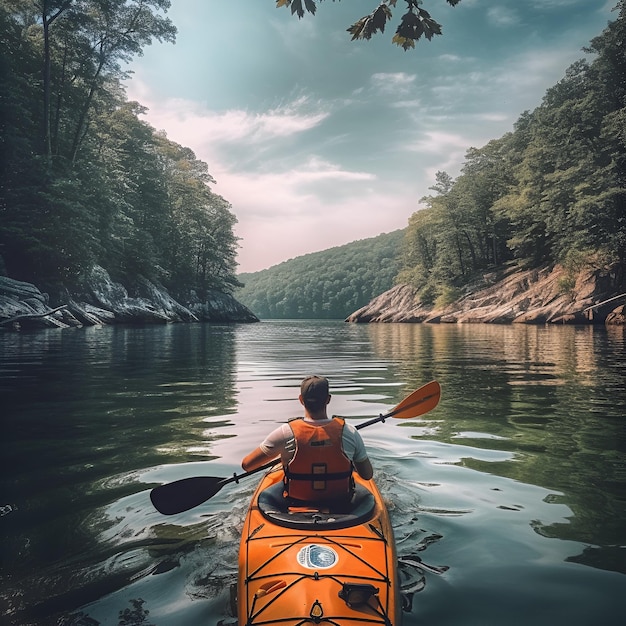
[[324, 285]]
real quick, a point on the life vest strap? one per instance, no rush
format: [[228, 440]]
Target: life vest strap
[[321, 476]]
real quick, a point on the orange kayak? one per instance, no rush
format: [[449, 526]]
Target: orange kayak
[[317, 566]]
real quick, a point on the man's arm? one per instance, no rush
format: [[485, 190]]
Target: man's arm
[[255, 459], [364, 469]]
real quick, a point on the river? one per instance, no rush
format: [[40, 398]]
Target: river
[[512, 492]]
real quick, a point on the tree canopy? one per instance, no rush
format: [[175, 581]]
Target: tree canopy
[[414, 24], [83, 179], [324, 285], [553, 190]]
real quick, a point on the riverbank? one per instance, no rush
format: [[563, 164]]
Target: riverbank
[[98, 300], [535, 296]]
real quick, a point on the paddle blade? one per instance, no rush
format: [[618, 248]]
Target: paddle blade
[[419, 402], [184, 494]]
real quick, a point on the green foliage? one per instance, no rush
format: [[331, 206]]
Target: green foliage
[[414, 24], [447, 296], [554, 190], [83, 180], [573, 263], [324, 285]]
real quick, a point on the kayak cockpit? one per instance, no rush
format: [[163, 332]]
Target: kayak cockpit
[[302, 516]]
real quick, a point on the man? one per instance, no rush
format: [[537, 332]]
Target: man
[[318, 453]]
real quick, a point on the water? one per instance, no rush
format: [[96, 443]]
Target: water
[[512, 492]]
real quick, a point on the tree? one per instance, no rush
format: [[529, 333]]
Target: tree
[[94, 39], [414, 24], [100, 185], [487, 176], [552, 191]]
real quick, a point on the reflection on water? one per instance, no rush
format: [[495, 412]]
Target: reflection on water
[[507, 500], [554, 397]]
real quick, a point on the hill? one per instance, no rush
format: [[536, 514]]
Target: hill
[[329, 284]]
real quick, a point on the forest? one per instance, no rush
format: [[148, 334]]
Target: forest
[[83, 180], [550, 191], [324, 285]]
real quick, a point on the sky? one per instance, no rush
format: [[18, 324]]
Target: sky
[[317, 141]]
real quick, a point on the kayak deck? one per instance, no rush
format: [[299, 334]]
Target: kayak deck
[[306, 565]]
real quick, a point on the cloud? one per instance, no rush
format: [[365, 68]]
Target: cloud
[[453, 58], [284, 225], [438, 141], [193, 120], [503, 16], [542, 5], [317, 141], [523, 73], [440, 151], [393, 82], [292, 202]]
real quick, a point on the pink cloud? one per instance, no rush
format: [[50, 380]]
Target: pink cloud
[[283, 211]]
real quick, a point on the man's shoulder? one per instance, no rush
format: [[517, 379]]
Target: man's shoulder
[[282, 430], [351, 430]]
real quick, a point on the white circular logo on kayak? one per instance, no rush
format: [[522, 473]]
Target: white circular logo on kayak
[[315, 556]]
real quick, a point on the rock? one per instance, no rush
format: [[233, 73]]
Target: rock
[[531, 297], [220, 307], [89, 315], [20, 290], [617, 317], [102, 292], [162, 300], [98, 300], [400, 304], [11, 307], [22, 305], [153, 304]]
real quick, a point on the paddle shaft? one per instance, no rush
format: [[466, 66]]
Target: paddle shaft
[[187, 493], [235, 478], [381, 418]]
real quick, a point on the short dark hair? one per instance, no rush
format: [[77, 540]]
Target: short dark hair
[[314, 392]]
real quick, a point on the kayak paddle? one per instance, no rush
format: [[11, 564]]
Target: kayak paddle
[[187, 493]]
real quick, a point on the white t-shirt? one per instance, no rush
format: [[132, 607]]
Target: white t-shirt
[[281, 442]]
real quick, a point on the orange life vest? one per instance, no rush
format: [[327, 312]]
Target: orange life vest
[[319, 469]]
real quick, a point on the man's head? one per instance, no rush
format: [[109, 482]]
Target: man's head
[[314, 392]]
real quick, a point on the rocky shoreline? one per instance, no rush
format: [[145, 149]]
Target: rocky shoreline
[[536, 296], [506, 296], [100, 301]]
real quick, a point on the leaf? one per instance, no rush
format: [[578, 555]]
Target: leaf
[[380, 17], [296, 7], [368, 25], [403, 42], [357, 28], [410, 27], [413, 25], [430, 28]]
